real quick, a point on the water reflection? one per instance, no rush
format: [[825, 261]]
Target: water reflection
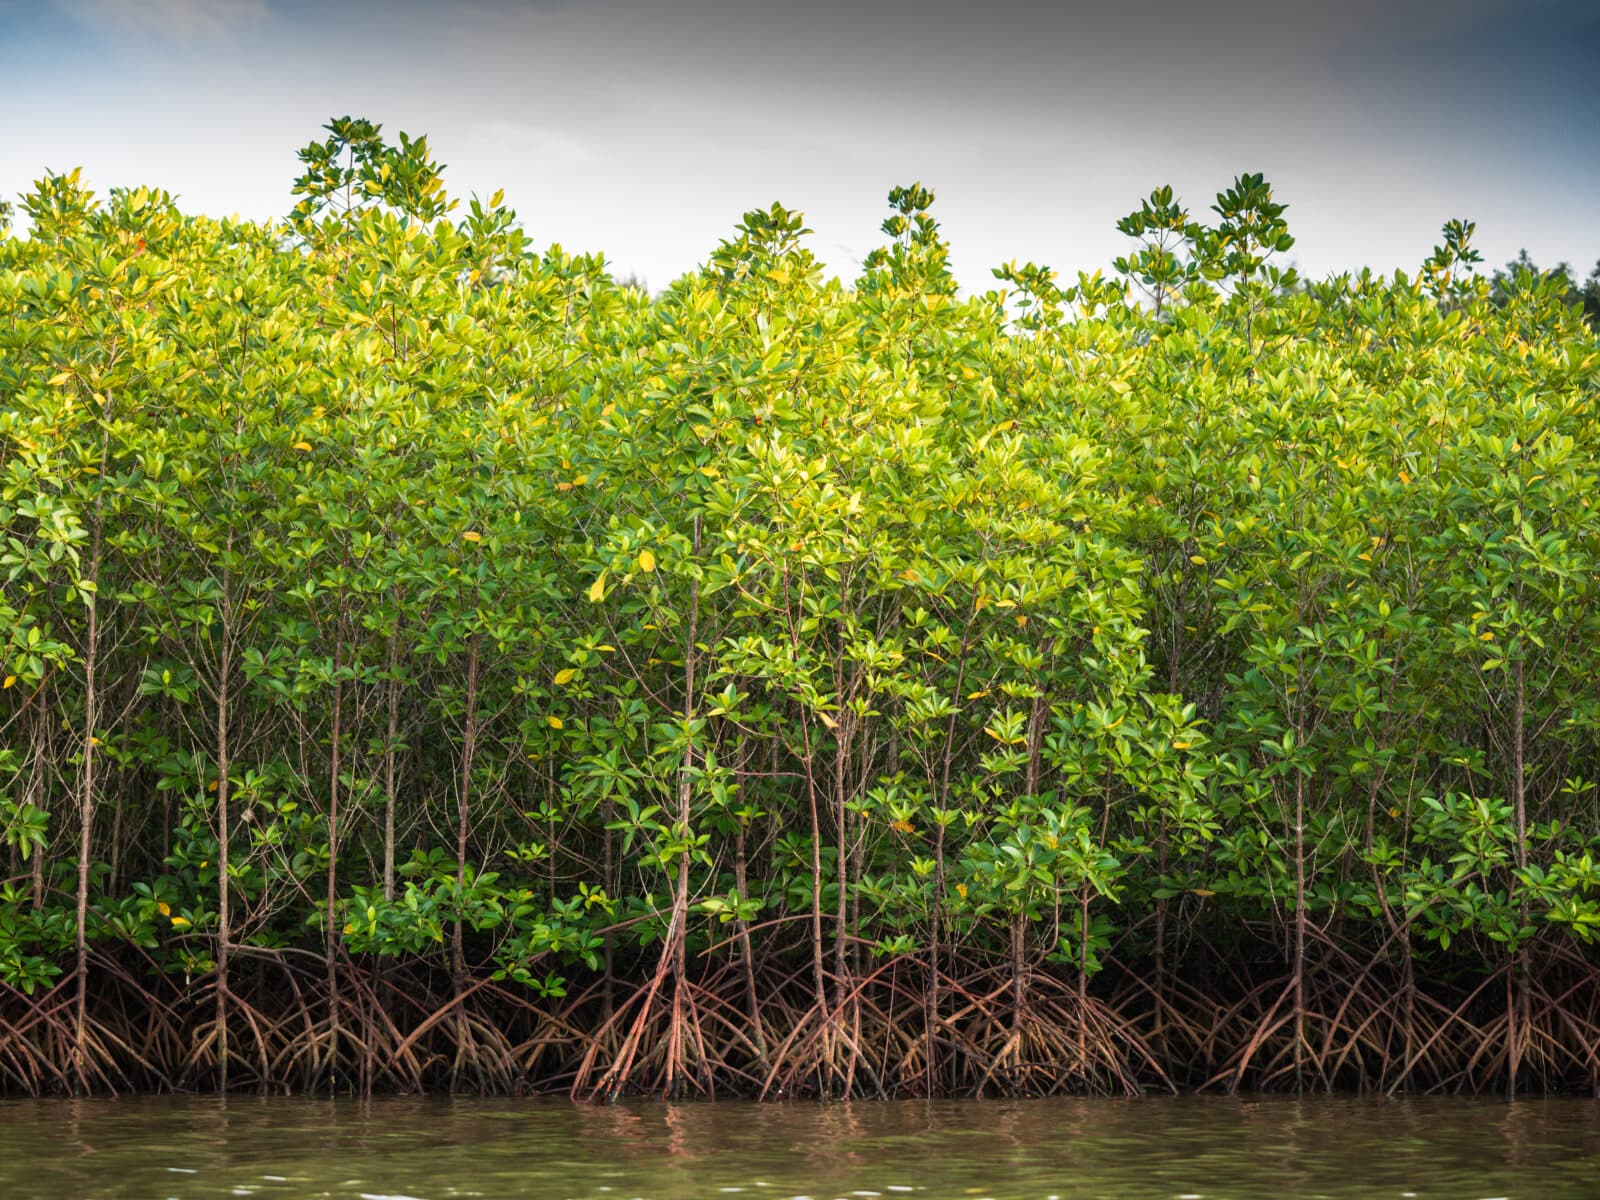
[[1209, 1149]]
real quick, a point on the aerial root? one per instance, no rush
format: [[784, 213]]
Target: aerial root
[[1364, 1024]]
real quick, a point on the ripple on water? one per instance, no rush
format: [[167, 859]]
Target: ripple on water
[[1182, 1149]]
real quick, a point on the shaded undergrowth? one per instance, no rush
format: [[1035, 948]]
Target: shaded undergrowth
[[1361, 1024]]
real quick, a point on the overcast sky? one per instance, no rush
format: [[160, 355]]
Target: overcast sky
[[644, 128]]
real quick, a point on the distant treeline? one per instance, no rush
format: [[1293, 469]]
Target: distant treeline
[[1583, 296], [429, 664]]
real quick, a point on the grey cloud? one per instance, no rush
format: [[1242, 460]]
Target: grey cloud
[[176, 20]]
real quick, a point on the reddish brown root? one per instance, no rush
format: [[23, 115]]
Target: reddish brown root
[[1364, 1025]]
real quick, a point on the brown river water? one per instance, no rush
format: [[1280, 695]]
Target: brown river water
[[1163, 1149]]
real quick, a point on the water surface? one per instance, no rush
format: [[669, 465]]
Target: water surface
[[1163, 1149]]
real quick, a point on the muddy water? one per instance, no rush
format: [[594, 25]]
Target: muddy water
[[1165, 1149]]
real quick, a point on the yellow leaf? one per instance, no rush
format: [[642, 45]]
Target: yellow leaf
[[1364, 557], [58, 380], [1181, 745], [597, 589], [828, 721], [553, 722], [1202, 891], [647, 561], [179, 922], [164, 909], [1486, 636], [565, 676], [10, 679], [1197, 559], [472, 535], [303, 447]]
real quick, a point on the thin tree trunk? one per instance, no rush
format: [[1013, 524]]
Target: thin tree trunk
[[91, 716], [931, 1015], [841, 816], [224, 856], [331, 930], [469, 739], [1038, 710], [609, 996], [746, 953], [1518, 1004], [36, 792], [677, 946], [114, 884], [818, 974], [1299, 913], [389, 755]]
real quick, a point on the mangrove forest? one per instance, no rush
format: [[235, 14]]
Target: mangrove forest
[[431, 664]]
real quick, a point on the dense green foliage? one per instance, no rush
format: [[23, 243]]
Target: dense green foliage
[[380, 594], [1584, 296]]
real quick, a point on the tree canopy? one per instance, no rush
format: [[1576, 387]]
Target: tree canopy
[[429, 662]]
